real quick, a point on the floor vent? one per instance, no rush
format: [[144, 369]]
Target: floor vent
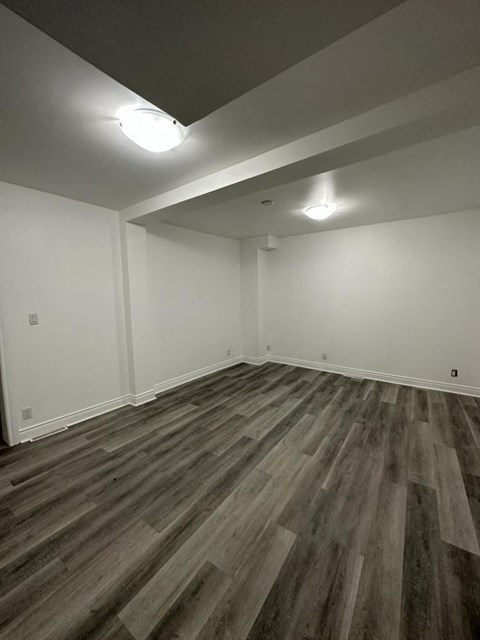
[[47, 435]]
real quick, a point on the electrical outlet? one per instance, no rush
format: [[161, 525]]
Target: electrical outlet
[[33, 318], [454, 373], [324, 356], [268, 348], [229, 352], [27, 413]]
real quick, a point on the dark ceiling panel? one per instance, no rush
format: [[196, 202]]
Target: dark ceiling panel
[[190, 57]]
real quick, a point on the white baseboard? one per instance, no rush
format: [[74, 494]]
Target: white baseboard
[[141, 398], [199, 373], [68, 420], [257, 361], [58, 424], [382, 377]]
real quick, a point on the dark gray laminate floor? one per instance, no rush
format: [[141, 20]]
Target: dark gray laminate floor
[[260, 502]]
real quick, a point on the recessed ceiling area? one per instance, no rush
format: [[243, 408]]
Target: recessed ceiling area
[[60, 133], [190, 58], [434, 177]]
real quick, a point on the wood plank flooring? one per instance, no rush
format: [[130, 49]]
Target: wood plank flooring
[[266, 502]]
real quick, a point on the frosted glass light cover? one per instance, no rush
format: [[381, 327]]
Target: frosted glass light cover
[[152, 130], [320, 211]]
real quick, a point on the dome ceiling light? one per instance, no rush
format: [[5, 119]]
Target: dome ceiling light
[[152, 130], [320, 211]]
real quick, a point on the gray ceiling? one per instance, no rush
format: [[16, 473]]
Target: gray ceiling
[[191, 57], [58, 113]]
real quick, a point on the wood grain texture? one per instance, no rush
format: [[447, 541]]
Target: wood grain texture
[[456, 522], [189, 614], [378, 609], [258, 502], [421, 610], [420, 454], [236, 612]]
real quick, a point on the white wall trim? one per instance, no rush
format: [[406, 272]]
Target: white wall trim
[[257, 361], [382, 377], [141, 398], [70, 419], [199, 373], [56, 424]]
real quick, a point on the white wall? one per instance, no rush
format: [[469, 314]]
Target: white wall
[[60, 258], [399, 298], [138, 321], [194, 284], [249, 307]]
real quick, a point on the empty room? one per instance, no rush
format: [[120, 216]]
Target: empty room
[[240, 320]]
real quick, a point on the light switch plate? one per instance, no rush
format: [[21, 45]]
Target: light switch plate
[[33, 318]]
